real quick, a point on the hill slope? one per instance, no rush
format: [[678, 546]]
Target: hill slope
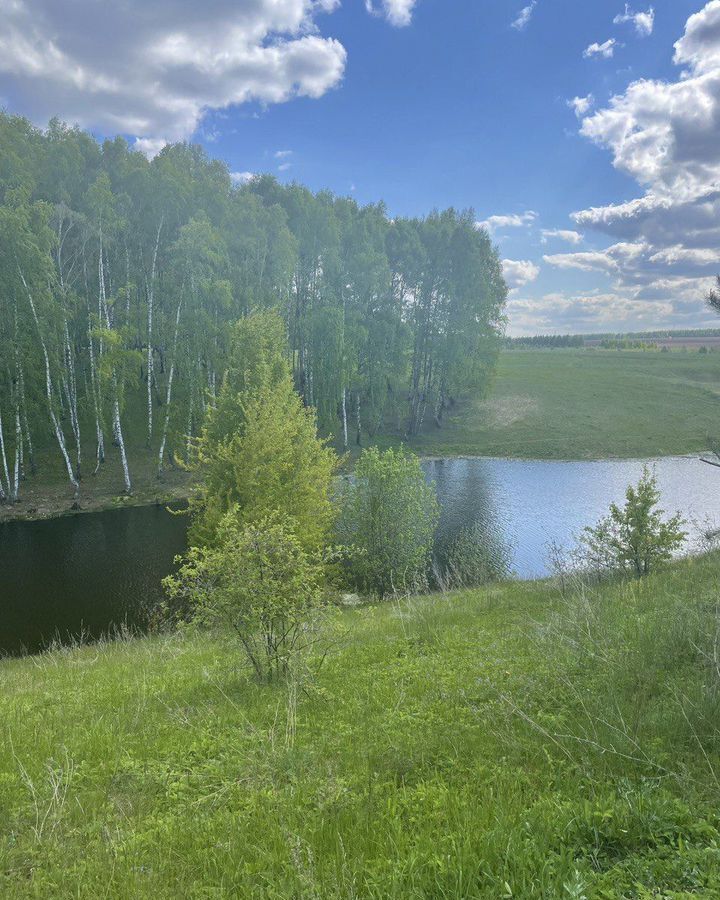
[[504, 742]]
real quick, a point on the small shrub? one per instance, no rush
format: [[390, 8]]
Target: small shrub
[[635, 538], [389, 517], [258, 581]]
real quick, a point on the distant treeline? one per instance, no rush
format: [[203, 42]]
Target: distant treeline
[[611, 340], [120, 276], [547, 340]]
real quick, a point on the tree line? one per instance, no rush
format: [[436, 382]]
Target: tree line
[[121, 276]]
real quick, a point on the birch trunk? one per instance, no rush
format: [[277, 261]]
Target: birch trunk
[[344, 419], [71, 388], [57, 428], [18, 456], [121, 441], [116, 423], [150, 360], [5, 487], [168, 393]]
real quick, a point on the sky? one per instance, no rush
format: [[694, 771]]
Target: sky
[[585, 134]]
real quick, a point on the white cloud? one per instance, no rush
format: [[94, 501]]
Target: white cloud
[[397, 12], [283, 167], [665, 134], [519, 272], [514, 220], [581, 105], [242, 177], [570, 237], [643, 21], [149, 146], [524, 16], [604, 50], [282, 154], [152, 69]]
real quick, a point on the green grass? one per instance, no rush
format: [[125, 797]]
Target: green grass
[[504, 742], [581, 404]]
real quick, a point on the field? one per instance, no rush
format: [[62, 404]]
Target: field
[[544, 404], [511, 742], [587, 404]]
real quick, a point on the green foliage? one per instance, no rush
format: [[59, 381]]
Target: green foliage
[[139, 269], [635, 538], [389, 517], [258, 582], [260, 451]]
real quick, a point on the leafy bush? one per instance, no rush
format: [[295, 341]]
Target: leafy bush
[[259, 582], [389, 517], [635, 538]]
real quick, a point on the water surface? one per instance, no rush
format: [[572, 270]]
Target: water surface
[[88, 572]]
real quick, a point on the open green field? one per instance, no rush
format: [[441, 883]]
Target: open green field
[[500, 743], [585, 404], [544, 404]]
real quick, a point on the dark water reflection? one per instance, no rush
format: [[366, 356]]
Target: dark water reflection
[[83, 573], [94, 570]]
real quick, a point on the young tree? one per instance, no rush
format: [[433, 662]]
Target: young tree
[[389, 517], [260, 582], [264, 454], [635, 538]]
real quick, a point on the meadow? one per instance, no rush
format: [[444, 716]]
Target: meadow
[[587, 404], [525, 740]]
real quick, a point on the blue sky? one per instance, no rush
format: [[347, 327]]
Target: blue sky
[[431, 103]]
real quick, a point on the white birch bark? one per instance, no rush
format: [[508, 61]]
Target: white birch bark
[[5, 487], [71, 389], [344, 419], [168, 393], [150, 359], [116, 423], [15, 490], [57, 428]]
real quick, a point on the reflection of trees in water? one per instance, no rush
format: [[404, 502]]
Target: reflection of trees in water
[[470, 544]]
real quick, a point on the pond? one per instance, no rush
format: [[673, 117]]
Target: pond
[[85, 573]]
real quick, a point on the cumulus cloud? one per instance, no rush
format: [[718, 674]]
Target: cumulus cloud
[[589, 312], [561, 234], [397, 12], [665, 134], [519, 272], [524, 16], [643, 21], [581, 105], [282, 154], [514, 220], [151, 70], [605, 50]]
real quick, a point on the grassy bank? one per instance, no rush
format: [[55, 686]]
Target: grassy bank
[[505, 742], [562, 404]]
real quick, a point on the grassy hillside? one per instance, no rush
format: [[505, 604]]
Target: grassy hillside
[[545, 404], [580, 404], [508, 742]]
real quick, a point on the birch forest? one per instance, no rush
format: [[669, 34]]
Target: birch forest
[[120, 277]]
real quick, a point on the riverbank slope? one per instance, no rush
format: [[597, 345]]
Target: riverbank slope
[[505, 742], [544, 404]]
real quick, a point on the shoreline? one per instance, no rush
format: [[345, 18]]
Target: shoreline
[[32, 508]]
